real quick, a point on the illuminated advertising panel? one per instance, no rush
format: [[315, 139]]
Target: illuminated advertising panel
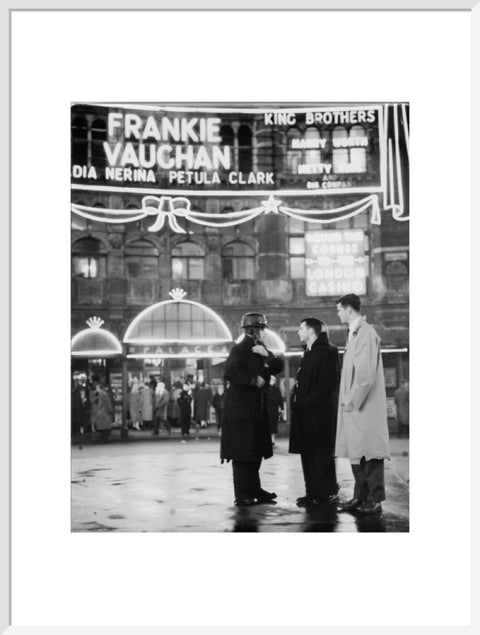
[[316, 149], [336, 262]]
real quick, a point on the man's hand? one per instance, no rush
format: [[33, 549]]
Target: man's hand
[[260, 350], [260, 381]]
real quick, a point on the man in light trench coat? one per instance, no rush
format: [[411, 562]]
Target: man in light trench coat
[[362, 429]]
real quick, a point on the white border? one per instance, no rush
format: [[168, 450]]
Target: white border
[[5, 445]]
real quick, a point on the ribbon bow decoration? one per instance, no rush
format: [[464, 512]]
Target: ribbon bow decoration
[[167, 208]]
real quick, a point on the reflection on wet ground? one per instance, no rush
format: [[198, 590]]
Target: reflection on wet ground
[[168, 487]]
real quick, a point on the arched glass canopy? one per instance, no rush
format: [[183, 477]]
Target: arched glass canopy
[[95, 342], [177, 328]]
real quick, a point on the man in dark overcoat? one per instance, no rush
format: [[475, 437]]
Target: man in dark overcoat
[[314, 404], [246, 428]]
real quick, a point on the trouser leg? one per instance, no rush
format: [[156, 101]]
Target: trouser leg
[[369, 480], [319, 474], [246, 479]]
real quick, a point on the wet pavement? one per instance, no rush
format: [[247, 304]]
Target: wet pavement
[[171, 485]]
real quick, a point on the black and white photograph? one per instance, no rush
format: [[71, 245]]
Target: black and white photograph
[[240, 317]]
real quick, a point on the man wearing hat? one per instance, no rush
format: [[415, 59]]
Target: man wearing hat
[[246, 435]]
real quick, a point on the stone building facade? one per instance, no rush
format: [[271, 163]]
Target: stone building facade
[[119, 269]]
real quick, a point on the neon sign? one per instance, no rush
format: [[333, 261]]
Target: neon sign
[[335, 262], [169, 154], [177, 147]]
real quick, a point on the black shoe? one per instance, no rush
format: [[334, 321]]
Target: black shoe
[[244, 502], [350, 505], [369, 508], [263, 496], [304, 501], [321, 501]]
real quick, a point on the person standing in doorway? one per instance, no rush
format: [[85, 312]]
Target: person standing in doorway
[[362, 429], [246, 436], [102, 410], [202, 400], [314, 404], [218, 403], [135, 404], [148, 397], [185, 406], [160, 409]]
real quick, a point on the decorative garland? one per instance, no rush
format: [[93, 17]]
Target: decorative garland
[[168, 209]]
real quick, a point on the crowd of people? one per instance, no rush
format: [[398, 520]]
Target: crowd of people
[[151, 406]]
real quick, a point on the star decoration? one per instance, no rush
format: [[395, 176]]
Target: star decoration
[[271, 206]]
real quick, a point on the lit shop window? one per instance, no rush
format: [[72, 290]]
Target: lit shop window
[[99, 136], [79, 141], [87, 259], [141, 258], [244, 149], [349, 150], [188, 261], [238, 261]]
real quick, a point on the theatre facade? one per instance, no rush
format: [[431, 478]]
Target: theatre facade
[[184, 217]]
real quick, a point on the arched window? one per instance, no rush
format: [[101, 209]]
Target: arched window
[[99, 135], [141, 259], [79, 141], [294, 153], [238, 261], [349, 153], [88, 258], [226, 133], [358, 149], [188, 261], [312, 139], [396, 275], [244, 149]]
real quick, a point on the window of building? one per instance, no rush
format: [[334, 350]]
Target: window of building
[[99, 136], [79, 141], [238, 261], [88, 258], [396, 274], [227, 135], [349, 154], [296, 248], [188, 261], [312, 139], [244, 149], [294, 155], [141, 259]]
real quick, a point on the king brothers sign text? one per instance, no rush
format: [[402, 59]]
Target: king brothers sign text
[[319, 149]]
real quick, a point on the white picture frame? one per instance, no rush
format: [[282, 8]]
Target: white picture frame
[[9, 434]]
